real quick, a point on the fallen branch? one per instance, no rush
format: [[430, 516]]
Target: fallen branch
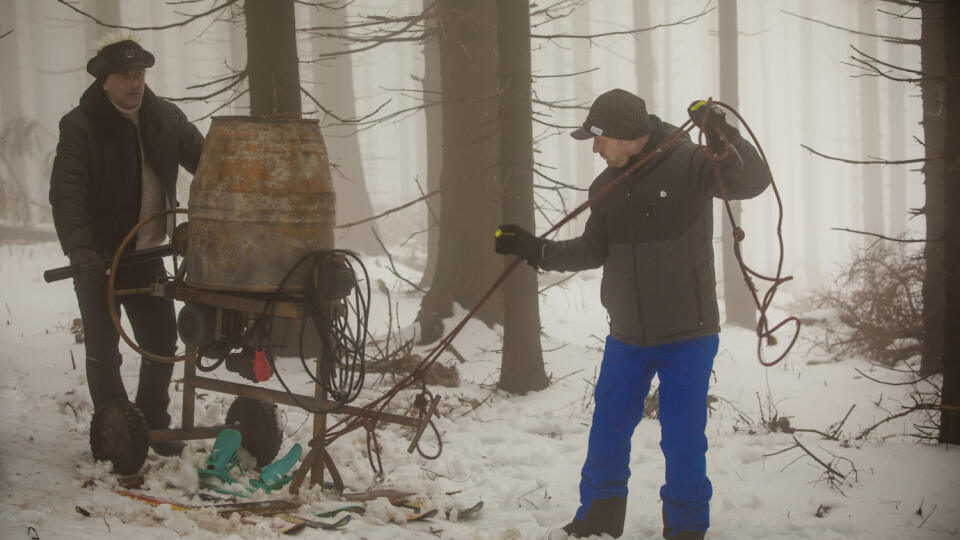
[[393, 268]]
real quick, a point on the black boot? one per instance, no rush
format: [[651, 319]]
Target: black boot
[[679, 535], [604, 517]]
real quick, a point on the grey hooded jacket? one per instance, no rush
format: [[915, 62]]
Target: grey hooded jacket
[[653, 235]]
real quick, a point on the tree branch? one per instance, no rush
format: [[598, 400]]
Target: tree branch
[[686, 20], [882, 237], [141, 28], [388, 212], [890, 39], [239, 78], [393, 268], [869, 162]]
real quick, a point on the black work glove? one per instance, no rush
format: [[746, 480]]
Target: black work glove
[[515, 240], [711, 120], [88, 268]]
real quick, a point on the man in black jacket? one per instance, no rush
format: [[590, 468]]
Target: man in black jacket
[[653, 235], [117, 162]]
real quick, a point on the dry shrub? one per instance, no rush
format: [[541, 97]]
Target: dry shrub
[[878, 300]]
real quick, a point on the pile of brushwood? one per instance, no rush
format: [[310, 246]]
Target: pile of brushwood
[[878, 299]]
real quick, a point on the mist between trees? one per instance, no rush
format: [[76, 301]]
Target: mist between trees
[[849, 114]]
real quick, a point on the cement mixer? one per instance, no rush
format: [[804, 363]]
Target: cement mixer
[[260, 279]]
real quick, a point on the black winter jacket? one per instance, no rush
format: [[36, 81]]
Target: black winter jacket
[[653, 235], [96, 180]]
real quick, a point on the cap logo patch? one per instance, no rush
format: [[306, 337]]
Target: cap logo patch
[[595, 130], [130, 53]]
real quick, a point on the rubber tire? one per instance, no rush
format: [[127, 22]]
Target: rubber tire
[[258, 426], [119, 434]]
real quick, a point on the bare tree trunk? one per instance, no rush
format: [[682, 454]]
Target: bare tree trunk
[[897, 133], [808, 174], [932, 60], [238, 56], [583, 93], [871, 176], [434, 142], [646, 69], [521, 366], [739, 305], [333, 87], [11, 109], [950, 415], [666, 65], [469, 182], [272, 64], [11, 105]]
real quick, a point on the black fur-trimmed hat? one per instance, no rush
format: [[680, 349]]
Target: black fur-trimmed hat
[[119, 57]]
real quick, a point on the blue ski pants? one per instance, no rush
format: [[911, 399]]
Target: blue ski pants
[[626, 372]]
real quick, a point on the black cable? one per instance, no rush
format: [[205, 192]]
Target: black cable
[[336, 334]]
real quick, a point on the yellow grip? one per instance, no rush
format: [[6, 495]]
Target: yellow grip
[[697, 105]]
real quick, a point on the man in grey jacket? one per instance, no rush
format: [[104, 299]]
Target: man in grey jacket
[[117, 162], [653, 236]]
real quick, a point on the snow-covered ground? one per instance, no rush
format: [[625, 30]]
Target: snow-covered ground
[[521, 455]]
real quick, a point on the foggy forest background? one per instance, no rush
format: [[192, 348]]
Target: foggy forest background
[[838, 78]]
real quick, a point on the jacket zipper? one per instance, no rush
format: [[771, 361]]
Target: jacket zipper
[[633, 253]]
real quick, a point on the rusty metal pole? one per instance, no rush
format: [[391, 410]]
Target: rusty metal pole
[[189, 391], [319, 428]]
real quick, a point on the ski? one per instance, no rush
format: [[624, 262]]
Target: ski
[[352, 508], [461, 513], [273, 506], [422, 515], [314, 524], [471, 512], [151, 500]]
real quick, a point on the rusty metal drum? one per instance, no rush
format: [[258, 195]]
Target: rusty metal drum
[[261, 199]]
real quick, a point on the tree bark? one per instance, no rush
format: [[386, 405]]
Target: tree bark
[[897, 136], [273, 67], [739, 305], [237, 60], [932, 60], [469, 182], [434, 142], [950, 415], [333, 87], [871, 176], [521, 366]]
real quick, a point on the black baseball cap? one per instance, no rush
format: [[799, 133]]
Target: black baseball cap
[[119, 57], [617, 114]]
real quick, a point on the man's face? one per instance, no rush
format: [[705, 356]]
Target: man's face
[[617, 151], [125, 89]]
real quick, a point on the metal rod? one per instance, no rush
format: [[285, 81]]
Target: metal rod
[[208, 432], [189, 390], [281, 397], [423, 425], [319, 427]]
